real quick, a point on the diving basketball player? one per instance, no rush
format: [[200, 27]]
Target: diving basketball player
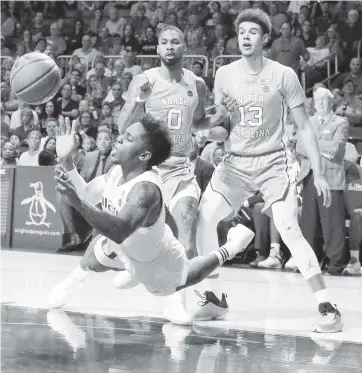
[[133, 233], [258, 94], [177, 97]]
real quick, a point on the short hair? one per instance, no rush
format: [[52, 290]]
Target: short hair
[[32, 131], [198, 63], [104, 130], [349, 80], [173, 28], [51, 119], [107, 103], [256, 16], [158, 138], [46, 158], [323, 92]]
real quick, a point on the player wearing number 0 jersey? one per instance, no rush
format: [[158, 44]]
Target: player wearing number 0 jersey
[[258, 92], [177, 97]]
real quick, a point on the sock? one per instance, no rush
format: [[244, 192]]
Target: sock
[[222, 254], [275, 249], [79, 273], [178, 297], [355, 254]]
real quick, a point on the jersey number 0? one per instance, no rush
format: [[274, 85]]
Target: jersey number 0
[[174, 119]]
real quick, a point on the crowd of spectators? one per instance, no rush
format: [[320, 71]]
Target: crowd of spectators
[[305, 36]]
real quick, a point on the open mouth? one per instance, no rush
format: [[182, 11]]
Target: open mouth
[[247, 45]]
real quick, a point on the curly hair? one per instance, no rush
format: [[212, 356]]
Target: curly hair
[[256, 16], [158, 139]]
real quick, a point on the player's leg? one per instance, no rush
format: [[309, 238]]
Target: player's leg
[[286, 221], [224, 194], [183, 210], [92, 261]]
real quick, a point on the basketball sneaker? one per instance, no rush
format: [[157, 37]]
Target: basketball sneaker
[[175, 310], [259, 258], [274, 261], [61, 292], [291, 265], [331, 321], [353, 268], [211, 307], [124, 280]]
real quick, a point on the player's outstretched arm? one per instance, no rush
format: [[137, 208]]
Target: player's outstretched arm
[[66, 145], [138, 91], [307, 136], [143, 199]]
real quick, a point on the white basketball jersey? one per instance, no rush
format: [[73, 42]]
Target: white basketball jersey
[[148, 253]]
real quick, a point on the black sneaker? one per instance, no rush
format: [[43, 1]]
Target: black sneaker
[[211, 307]]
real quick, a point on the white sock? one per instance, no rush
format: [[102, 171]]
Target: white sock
[[222, 254], [79, 273], [275, 249], [355, 254]]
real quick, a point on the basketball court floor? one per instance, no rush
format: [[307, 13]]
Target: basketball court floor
[[103, 329]]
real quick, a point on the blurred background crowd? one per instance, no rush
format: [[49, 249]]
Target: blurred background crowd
[[100, 45]]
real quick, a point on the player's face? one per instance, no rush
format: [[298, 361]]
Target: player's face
[[170, 48], [131, 146], [251, 38]]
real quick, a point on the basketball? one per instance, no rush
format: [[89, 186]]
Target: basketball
[[35, 78]]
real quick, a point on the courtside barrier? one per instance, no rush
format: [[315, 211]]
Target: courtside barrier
[[7, 194]]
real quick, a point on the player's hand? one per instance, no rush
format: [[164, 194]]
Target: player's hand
[[201, 137], [66, 142], [65, 187], [230, 103], [322, 187], [143, 92]]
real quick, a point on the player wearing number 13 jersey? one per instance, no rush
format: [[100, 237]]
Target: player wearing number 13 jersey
[[258, 92], [177, 97]]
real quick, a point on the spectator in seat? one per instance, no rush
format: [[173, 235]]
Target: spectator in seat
[[100, 58], [41, 45], [130, 61], [140, 22], [8, 155], [199, 9], [193, 27], [103, 80], [26, 123], [194, 46], [86, 51], [277, 19], [89, 144], [52, 129], [350, 106], [335, 44], [104, 41], [354, 74], [56, 43], [129, 41], [308, 37], [7, 23], [96, 163], [118, 69], [114, 24], [47, 158], [332, 133], [353, 202], [85, 119], [125, 81], [17, 120], [106, 115], [49, 113], [197, 68], [20, 50], [38, 24], [96, 23], [149, 42], [323, 21], [75, 38], [50, 145], [287, 49], [31, 157], [116, 48], [351, 32], [65, 105], [232, 45], [181, 18], [78, 91], [28, 41], [154, 13]]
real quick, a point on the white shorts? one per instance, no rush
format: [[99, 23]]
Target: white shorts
[[178, 180], [161, 277]]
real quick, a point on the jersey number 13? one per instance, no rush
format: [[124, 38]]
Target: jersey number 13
[[257, 113]]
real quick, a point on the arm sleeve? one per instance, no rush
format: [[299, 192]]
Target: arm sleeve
[[92, 192], [291, 89]]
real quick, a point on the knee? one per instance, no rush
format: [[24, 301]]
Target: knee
[[185, 212]]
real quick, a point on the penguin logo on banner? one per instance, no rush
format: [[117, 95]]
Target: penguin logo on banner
[[38, 206]]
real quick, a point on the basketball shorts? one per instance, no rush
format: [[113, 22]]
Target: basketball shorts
[[178, 180], [237, 178], [162, 276]]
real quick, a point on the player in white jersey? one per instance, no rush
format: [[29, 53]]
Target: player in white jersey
[[257, 92], [133, 232], [177, 97]]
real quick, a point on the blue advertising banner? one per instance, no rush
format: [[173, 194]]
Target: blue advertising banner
[[36, 221], [6, 196]]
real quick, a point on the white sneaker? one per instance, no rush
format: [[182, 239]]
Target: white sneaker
[[61, 292], [331, 321], [273, 261], [353, 268], [238, 239], [124, 280], [291, 265], [175, 310], [211, 307]]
